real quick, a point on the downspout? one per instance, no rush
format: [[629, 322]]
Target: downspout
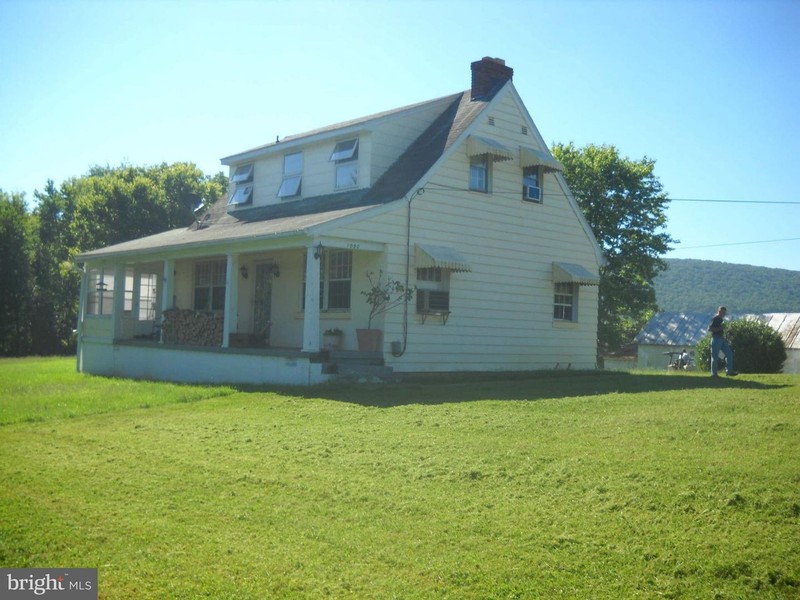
[[402, 351]]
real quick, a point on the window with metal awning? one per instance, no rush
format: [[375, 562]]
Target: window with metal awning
[[434, 265], [531, 157], [576, 274], [440, 257], [492, 149], [567, 279]]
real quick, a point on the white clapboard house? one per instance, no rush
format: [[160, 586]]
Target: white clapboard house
[[457, 197]]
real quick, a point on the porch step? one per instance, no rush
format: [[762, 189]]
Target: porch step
[[366, 367], [365, 373], [345, 357]]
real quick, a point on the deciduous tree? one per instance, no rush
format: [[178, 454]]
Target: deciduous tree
[[107, 206], [625, 206], [15, 268]]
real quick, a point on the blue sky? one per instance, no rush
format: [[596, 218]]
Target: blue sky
[[709, 89]]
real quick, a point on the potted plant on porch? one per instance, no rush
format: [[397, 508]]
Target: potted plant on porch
[[332, 338], [382, 295]]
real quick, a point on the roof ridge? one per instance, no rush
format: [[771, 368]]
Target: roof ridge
[[344, 124]]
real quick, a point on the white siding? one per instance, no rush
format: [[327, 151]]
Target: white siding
[[318, 171], [501, 312], [380, 144]]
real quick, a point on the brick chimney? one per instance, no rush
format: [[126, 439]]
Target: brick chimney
[[488, 76]]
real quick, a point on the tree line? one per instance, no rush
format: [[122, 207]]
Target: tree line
[[622, 200], [702, 285], [39, 283]]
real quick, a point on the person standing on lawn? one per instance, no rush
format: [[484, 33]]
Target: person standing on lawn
[[718, 342]]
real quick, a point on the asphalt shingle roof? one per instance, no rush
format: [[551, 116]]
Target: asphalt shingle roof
[[459, 111]]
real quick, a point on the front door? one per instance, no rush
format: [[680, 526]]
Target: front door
[[262, 304]]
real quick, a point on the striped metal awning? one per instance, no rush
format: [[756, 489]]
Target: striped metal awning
[[442, 257], [572, 273], [479, 146], [531, 157]]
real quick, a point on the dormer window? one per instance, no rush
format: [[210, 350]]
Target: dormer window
[[243, 178], [345, 155], [242, 195], [346, 150], [243, 174], [292, 175]]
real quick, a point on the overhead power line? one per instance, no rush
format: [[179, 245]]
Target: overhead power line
[[452, 188], [733, 201], [735, 244]]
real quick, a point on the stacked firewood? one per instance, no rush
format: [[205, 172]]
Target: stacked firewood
[[192, 328]]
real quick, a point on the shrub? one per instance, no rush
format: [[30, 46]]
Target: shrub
[[757, 348]]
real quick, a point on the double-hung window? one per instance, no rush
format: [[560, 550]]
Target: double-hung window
[[345, 155], [148, 298], [292, 175], [242, 178], [483, 153], [100, 297], [209, 285], [479, 173], [565, 302], [335, 281], [531, 187]]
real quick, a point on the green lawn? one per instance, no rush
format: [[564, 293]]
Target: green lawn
[[554, 485]]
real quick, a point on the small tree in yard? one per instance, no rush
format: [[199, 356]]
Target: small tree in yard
[[384, 295], [757, 348]]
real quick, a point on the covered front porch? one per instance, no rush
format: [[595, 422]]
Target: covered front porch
[[252, 316]]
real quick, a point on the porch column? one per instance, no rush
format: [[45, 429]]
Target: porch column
[[231, 298], [311, 315], [118, 303], [84, 294], [167, 290]]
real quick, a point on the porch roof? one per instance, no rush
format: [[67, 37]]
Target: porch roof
[[227, 229]]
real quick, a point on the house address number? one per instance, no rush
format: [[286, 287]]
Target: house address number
[[353, 246]]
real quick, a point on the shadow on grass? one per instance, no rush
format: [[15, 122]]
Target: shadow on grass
[[470, 387]]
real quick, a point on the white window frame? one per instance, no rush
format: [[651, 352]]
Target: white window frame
[[243, 178], [100, 296], [334, 266], [242, 174], [345, 155], [242, 195], [432, 281], [148, 296], [213, 280], [532, 184], [480, 169], [565, 302], [292, 175], [128, 292], [345, 150]]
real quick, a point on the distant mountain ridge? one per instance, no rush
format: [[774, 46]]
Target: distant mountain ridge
[[702, 285]]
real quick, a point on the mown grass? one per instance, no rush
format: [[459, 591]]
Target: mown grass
[[38, 389], [543, 486]]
